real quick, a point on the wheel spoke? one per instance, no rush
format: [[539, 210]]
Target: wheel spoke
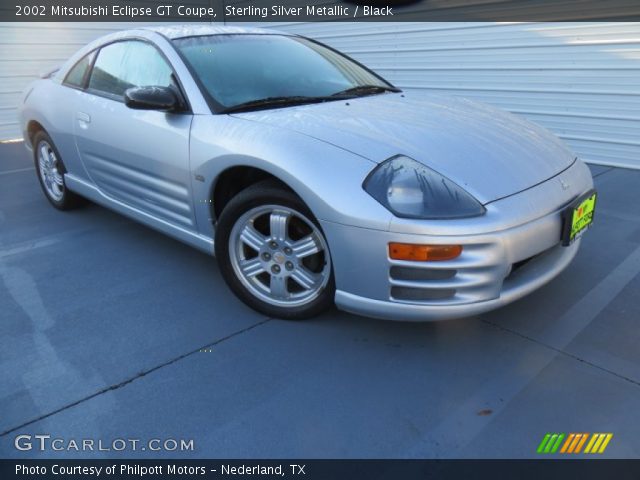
[[56, 189], [52, 158], [57, 178], [252, 267], [306, 246], [44, 156], [304, 277], [252, 238], [278, 224], [278, 286]]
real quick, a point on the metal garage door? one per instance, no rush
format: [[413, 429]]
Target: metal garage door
[[29, 49]]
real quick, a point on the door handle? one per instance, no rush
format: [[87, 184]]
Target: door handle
[[83, 117]]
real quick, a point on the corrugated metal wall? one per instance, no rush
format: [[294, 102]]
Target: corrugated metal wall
[[581, 80], [29, 49]]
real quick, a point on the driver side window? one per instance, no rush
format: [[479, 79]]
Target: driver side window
[[127, 64]]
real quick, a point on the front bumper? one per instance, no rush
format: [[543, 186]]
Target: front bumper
[[516, 285], [494, 269]]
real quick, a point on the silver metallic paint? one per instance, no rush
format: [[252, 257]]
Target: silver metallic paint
[[153, 174], [489, 152], [144, 165]]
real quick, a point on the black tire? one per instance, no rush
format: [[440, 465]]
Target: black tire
[[263, 194], [67, 199]]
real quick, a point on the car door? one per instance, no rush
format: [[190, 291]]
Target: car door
[[138, 157]]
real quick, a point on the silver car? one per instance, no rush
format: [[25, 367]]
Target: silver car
[[312, 179]]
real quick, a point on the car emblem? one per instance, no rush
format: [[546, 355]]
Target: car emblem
[[278, 257], [564, 184]]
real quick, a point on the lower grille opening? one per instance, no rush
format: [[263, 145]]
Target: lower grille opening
[[421, 294], [521, 263], [409, 273]]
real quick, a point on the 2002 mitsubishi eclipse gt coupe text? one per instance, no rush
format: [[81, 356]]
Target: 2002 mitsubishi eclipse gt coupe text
[[311, 178]]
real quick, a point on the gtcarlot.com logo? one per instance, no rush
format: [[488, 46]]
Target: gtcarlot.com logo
[[45, 442], [574, 442]]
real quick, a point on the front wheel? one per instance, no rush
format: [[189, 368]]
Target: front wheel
[[273, 253]]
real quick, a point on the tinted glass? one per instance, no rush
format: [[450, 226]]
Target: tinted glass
[[76, 75], [123, 65], [239, 68]]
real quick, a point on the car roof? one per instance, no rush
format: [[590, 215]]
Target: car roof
[[180, 31]]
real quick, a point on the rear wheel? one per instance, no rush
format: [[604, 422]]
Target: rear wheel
[[50, 170], [273, 253]]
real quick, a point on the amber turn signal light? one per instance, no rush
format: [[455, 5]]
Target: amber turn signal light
[[423, 253]]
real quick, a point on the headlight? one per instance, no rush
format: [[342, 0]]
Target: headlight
[[410, 190]]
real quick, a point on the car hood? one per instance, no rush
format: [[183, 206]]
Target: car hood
[[491, 153]]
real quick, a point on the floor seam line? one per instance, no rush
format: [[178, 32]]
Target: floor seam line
[[563, 352], [135, 377], [603, 172]]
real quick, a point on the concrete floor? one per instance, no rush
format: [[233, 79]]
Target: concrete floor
[[103, 322]]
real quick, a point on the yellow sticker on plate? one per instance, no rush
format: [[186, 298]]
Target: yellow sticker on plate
[[582, 216]]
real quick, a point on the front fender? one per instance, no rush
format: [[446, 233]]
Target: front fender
[[327, 178]]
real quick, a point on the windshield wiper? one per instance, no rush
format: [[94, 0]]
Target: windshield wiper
[[365, 90], [288, 101], [274, 102]]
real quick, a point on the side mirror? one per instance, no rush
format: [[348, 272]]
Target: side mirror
[[151, 98]]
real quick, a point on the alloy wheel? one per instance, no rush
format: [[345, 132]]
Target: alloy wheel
[[279, 255], [50, 172]]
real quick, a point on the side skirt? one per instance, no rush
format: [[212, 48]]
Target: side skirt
[[196, 240]]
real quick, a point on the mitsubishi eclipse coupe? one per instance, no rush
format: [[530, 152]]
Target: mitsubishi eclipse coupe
[[312, 179]]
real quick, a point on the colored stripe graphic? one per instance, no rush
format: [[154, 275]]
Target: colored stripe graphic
[[568, 442], [576, 439], [598, 443], [550, 443], [606, 442], [543, 443], [581, 443], [573, 442], [591, 442], [557, 444]]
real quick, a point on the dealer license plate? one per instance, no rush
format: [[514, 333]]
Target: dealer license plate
[[578, 217]]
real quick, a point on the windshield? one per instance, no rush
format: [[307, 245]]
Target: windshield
[[237, 69]]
